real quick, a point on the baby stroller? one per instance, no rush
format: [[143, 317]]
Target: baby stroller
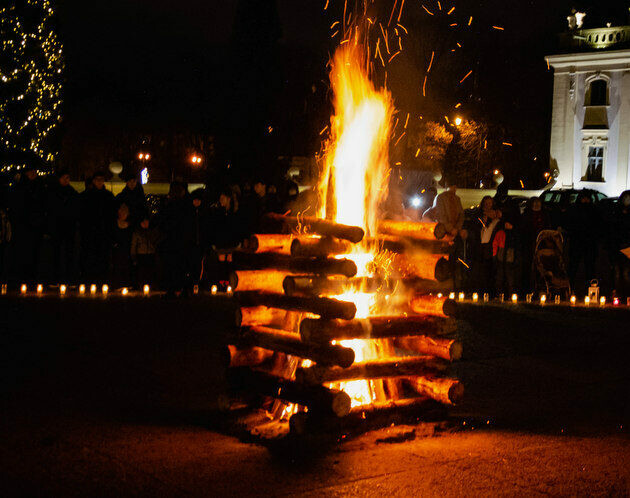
[[549, 268]]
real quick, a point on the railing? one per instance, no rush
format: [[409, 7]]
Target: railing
[[599, 38]]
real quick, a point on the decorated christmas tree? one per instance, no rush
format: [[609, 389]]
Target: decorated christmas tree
[[31, 75]]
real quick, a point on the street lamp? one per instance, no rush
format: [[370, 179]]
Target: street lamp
[[195, 159]]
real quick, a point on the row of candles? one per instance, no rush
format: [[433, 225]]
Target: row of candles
[[530, 297], [93, 289]]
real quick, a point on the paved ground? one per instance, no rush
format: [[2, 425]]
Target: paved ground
[[109, 400]]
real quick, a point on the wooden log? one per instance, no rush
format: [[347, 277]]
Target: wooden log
[[318, 399], [422, 265], [373, 369], [262, 315], [448, 349], [315, 225], [441, 306], [272, 242], [323, 306], [267, 280], [320, 266], [247, 357], [412, 229], [376, 414], [290, 343], [317, 247], [443, 389], [309, 285], [375, 327]]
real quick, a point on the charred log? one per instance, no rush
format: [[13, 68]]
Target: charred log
[[322, 306], [317, 247], [443, 389], [290, 343], [433, 305], [374, 369], [376, 327], [318, 399], [314, 225], [320, 266]]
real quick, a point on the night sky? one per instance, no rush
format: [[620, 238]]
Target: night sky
[[233, 67]]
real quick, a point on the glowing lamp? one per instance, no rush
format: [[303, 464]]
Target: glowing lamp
[[23, 289], [213, 289], [62, 289], [615, 301], [573, 300], [486, 297], [439, 295], [458, 121], [105, 289], [140, 156], [543, 298], [146, 290], [40, 288], [195, 289], [587, 300], [602, 301], [93, 289], [514, 298], [461, 296], [81, 289], [475, 297], [4, 288], [451, 295], [124, 291], [229, 289]]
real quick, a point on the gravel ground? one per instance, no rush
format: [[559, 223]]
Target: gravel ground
[[112, 399]]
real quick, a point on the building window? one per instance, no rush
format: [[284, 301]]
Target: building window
[[595, 165], [598, 92]]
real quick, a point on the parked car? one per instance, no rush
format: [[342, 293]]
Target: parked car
[[556, 202]]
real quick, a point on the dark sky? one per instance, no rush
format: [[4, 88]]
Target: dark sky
[[216, 64]]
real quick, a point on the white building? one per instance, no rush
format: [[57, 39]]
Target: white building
[[590, 124]]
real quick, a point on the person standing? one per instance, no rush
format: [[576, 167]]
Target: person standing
[[178, 238], [62, 215], [133, 196], [584, 228], [621, 242], [121, 248], [97, 221], [27, 216], [535, 220], [144, 243]]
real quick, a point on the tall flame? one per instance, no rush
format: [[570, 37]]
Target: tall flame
[[356, 161], [354, 182]]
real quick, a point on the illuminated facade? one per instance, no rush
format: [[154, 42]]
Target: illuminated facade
[[590, 124]]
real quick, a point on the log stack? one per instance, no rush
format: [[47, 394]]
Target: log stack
[[290, 357]]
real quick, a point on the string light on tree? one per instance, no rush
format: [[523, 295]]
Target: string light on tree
[[31, 75]]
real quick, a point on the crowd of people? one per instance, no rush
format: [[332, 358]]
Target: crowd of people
[[494, 248], [52, 234]]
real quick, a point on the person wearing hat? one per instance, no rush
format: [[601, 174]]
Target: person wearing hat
[[98, 215], [133, 196]]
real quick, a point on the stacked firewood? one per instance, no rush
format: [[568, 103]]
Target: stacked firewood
[[287, 351]]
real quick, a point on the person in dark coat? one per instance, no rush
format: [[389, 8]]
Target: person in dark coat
[[178, 231], [584, 228], [133, 196], [620, 242], [121, 248], [27, 216], [97, 221], [62, 217], [144, 242], [200, 242]]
